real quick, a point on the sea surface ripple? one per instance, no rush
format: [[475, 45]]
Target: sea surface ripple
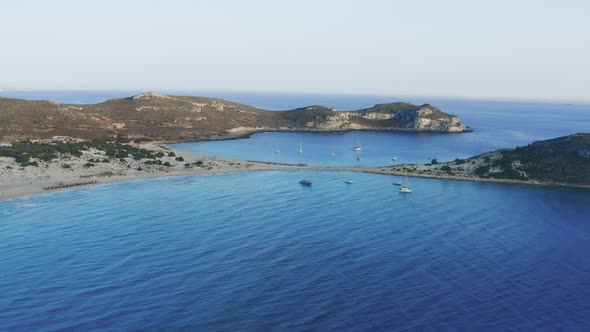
[[257, 251]]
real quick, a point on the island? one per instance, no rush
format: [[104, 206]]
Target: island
[[156, 117]]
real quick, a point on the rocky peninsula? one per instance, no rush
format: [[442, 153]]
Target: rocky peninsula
[[156, 117]]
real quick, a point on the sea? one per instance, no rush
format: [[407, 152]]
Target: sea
[[256, 251]]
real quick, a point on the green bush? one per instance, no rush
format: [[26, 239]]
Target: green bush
[[179, 159], [22, 158], [122, 154], [482, 171], [25, 151]]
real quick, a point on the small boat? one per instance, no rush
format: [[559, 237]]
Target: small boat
[[305, 182], [348, 181], [332, 154], [394, 158], [300, 148], [405, 189], [358, 158], [397, 184], [358, 144]]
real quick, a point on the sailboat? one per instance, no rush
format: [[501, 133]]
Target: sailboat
[[300, 148], [404, 188], [358, 144]]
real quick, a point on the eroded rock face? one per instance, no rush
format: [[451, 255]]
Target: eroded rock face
[[444, 123], [150, 95], [390, 116]]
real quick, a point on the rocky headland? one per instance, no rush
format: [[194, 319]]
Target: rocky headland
[[152, 116]]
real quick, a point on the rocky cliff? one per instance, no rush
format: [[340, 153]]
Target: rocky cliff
[[159, 117]]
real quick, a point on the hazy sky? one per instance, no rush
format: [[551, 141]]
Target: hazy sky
[[516, 49]]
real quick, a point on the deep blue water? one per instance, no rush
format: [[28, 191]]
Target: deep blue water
[[257, 251]]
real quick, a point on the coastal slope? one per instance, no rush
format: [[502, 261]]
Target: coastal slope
[[560, 161], [181, 118]]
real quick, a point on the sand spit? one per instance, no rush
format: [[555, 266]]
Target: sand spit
[[16, 181]]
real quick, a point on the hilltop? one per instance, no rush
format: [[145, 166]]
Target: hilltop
[[178, 118]]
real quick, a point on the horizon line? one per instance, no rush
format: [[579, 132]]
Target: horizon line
[[366, 94]]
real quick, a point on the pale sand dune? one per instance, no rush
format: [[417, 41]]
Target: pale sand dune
[[16, 181]]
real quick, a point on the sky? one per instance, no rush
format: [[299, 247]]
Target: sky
[[457, 48]]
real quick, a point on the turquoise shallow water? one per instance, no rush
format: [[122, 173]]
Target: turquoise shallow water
[[257, 251]]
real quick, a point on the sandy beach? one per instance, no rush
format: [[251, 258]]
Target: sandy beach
[[16, 181], [19, 181]]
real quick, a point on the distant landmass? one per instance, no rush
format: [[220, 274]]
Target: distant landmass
[[181, 118], [12, 89]]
